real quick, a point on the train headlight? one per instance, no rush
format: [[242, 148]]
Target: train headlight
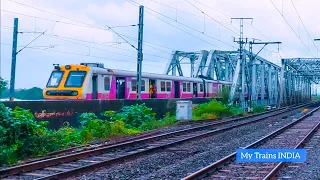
[[74, 93], [68, 67]]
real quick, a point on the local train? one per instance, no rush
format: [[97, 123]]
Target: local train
[[89, 81]]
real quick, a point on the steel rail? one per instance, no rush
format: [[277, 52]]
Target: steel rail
[[153, 132], [211, 168], [67, 158], [278, 167], [228, 119]]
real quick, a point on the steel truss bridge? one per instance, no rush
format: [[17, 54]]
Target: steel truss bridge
[[265, 82]]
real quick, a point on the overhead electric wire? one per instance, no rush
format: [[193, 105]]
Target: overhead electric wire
[[101, 44], [78, 25], [134, 38], [69, 19], [64, 52], [189, 12], [266, 49], [291, 27], [304, 26], [177, 27], [184, 25], [212, 8], [211, 17]]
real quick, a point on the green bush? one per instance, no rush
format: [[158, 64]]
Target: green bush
[[153, 124], [258, 109], [134, 116], [212, 107], [22, 137], [20, 134]]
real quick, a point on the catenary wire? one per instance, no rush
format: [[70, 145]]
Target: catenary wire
[[64, 52], [184, 24], [291, 27], [178, 27]]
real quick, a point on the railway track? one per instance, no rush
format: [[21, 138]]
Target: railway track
[[302, 170], [68, 165], [293, 135], [105, 143]]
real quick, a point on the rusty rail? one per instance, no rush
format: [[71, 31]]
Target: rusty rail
[[68, 158], [211, 168]]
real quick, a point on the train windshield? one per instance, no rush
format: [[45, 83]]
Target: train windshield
[[55, 79], [75, 79]]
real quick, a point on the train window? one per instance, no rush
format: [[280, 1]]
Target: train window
[[168, 86], [143, 85], [163, 86], [133, 85], [107, 83], [184, 87], [75, 79], [188, 87], [55, 79], [201, 87]]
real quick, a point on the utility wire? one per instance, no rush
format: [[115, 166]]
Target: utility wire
[[177, 9], [211, 17], [176, 27], [56, 21], [52, 20], [304, 25], [184, 25], [101, 44], [134, 38], [291, 27], [68, 18], [54, 36], [64, 52], [78, 25], [212, 8], [266, 49]]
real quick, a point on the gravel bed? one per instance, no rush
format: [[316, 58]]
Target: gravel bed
[[288, 139], [309, 170], [177, 161], [163, 130]]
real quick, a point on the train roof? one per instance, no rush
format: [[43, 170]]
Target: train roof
[[99, 70]]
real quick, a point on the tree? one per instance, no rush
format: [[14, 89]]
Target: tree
[[34, 93], [3, 85]]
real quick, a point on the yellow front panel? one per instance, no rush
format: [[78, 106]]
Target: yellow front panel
[[62, 87]]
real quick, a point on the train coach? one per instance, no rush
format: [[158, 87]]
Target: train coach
[[89, 81]]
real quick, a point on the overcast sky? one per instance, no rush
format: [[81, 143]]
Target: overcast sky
[[79, 32]]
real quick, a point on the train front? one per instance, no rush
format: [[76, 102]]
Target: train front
[[66, 82]]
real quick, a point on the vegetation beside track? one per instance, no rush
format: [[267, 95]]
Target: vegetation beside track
[[22, 137]]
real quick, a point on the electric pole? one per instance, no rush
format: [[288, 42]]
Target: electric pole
[[14, 55], [242, 60], [140, 55]]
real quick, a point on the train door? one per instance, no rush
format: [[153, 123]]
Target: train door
[[195, 90], [176, 89], [152, 88], [121, 89], [94, 87]]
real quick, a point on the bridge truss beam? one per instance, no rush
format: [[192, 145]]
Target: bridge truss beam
[[258, 77], [297, 75]]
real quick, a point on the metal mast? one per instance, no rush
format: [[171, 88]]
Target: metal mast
[[140, 55]]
